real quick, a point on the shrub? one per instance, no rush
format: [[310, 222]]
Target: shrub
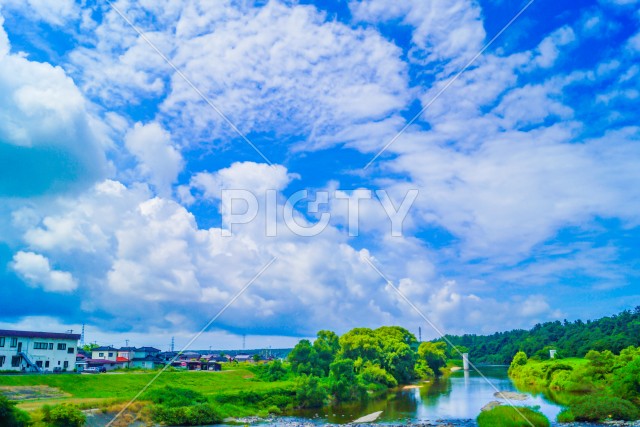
[[626, 380], [309, 392], [566, 416], [173, 397], [520, 359], [273, 371], [508, 416], [376, 375], [598, 408], [66, 416], [195, 415], [10, 416]]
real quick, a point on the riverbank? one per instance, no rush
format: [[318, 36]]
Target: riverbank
[[600, 387]]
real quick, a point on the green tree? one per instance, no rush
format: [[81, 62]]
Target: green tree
[[626, 380], [326, 345], [434, 355], [343, 384], [310, 393], [600, 363], [10, 416], [303, 358], [361, 343], [520, 359]]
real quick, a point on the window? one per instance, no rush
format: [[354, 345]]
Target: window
[[100, 354], [2, 341], [66, 364], [50, 346], [110, 354], [2, 359], [40, 345], [70, 350], [62, 346], [46, 364], [14, 342], [39, 363], [15, 361]]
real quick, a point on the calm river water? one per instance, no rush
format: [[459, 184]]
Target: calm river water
[[459, 397], [455, 401]]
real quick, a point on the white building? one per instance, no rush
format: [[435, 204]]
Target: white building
[[37, 351], [105, 353]]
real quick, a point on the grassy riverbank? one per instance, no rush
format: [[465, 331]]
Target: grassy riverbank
[[234, 392], [601, 386]]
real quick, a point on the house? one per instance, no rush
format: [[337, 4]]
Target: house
[[126, 354], [105, 353], [37, 351], [243, 358], [109, 365], [147, 358]]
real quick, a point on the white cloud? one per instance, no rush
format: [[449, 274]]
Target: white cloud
[[274, 68], [255, 177], [548, 50], [159, 160], [4, 39], [449, 31], [634, 42], [54, 12], [48, 138], [37, 271]]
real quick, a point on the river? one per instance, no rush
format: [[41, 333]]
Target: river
[[455, 400]]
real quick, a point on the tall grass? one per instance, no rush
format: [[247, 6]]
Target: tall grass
[[507, 416]]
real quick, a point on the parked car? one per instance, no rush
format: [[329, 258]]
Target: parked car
[[91, 370], [102, 369], [57, 370]]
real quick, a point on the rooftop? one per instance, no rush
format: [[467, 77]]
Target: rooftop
[[33, 334]]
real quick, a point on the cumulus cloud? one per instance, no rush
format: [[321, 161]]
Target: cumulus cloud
[[37, 271], [48, 138], [159, 160]]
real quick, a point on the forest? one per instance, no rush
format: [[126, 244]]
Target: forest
[[570, 339]]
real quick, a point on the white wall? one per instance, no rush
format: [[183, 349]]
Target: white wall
[[55, 357]]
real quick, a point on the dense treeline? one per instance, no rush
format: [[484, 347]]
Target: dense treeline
[[570, 339], [351, 367]]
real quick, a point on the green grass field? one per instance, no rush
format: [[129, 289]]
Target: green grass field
[[96, 389]]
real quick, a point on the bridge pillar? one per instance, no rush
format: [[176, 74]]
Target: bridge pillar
[[465, 361]]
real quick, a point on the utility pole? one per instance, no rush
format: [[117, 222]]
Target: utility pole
[[173, 342], [82, 336], [419, 334], [244, 341]]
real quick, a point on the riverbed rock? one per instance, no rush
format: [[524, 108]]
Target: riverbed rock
[[489, 406], [368, 418], [510, 395]]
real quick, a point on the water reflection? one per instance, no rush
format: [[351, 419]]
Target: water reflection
[[459, 397]]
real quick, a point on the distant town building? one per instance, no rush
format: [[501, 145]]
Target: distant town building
[[109, 358], [30, 351], [105, 353]]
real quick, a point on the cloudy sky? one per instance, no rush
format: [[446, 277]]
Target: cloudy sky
[[123, 123]]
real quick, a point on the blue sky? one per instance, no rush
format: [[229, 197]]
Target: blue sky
[[113, 165]]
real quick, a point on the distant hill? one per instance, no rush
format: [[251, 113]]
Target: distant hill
[[570, 339]]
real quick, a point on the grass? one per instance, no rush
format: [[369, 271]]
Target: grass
[[97, 390], [507, 416]]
